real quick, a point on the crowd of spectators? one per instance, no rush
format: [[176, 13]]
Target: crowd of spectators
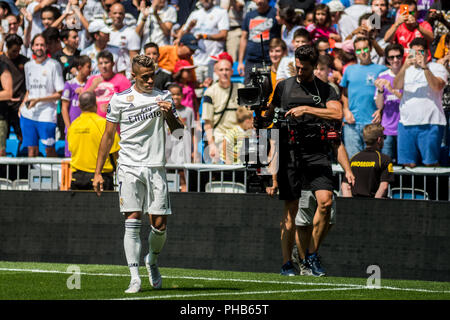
[[388, 61]]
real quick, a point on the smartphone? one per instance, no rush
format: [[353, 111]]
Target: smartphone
[[412, 53], [404, 8]]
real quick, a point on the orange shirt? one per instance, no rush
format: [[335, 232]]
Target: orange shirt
[[168, 56]]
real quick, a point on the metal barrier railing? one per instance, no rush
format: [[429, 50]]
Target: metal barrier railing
[[50, 174]]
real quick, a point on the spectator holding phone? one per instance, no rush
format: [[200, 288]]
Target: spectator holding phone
[[422, 118], [406, 27]]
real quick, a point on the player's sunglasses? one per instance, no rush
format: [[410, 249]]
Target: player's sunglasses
[[358, 51], [399, 57]]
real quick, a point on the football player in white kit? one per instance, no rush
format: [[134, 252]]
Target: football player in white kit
[[141, 112]]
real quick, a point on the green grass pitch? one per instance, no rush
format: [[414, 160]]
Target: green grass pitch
[[50, 281]]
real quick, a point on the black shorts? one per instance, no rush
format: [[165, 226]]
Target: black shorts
[[292, 179]]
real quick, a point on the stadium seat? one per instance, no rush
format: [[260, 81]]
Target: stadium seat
[[173, 182], [12, 147], [407, 193], [225, 187], [5, 184], [21, 184]]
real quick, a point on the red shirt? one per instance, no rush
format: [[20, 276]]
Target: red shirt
[[404, 36]]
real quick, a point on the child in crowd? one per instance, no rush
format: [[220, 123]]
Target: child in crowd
[[277, 50], [309, 19], [321, 26], [286, 68], [184, 76], [234, 138], [70, 109], [324, 71], [181, 146]]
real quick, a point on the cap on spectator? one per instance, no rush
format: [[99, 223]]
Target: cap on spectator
[[98, 25], [189, 40], [183, 65], [335, 6], [347, 46], [223, 56]]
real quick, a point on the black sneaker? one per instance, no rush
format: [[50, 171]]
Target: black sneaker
[[316, 267]]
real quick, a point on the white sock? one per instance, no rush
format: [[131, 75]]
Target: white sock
[[132, 245], [156, 240]]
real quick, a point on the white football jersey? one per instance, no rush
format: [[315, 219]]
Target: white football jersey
[[142, 131]]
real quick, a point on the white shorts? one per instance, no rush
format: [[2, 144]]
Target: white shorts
[[143, 189], [307, 206]]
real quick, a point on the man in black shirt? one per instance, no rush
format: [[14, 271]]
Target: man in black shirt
[[373, 170], [304, 151], [66, 55]]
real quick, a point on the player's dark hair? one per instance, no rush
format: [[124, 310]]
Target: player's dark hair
[[419, 42], [106, 55], [143, 61], [307, 53]]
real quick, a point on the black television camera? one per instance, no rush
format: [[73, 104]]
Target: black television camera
[[255, 95], [307, 129]]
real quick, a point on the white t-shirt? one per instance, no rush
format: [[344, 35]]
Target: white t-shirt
[[152, 31], [121, 58], [142, 132], [420, 104], [126, 39], [283, 67], [287, 37], [208, 22], [42, 80]]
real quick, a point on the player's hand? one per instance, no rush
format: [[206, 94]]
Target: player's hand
[[97, 183], [296, 112], [165, 106]]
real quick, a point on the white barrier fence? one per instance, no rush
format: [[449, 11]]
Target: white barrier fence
[[48, 174]]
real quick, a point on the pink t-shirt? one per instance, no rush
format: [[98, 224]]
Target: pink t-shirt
[[106, 89], [189, 96], [319, 32]]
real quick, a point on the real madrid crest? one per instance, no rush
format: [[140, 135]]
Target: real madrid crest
[[130, 98], [44, 73]]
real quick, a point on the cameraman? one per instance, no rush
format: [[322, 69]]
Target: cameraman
[[304, 158]]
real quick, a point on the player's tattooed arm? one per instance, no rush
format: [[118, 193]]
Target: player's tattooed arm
[[172, 120]]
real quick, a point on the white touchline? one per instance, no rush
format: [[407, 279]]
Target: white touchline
[[236, 293], [346, 286]]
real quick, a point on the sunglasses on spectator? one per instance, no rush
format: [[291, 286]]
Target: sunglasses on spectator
[[412, 13], [399, 57], [358, 51]]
